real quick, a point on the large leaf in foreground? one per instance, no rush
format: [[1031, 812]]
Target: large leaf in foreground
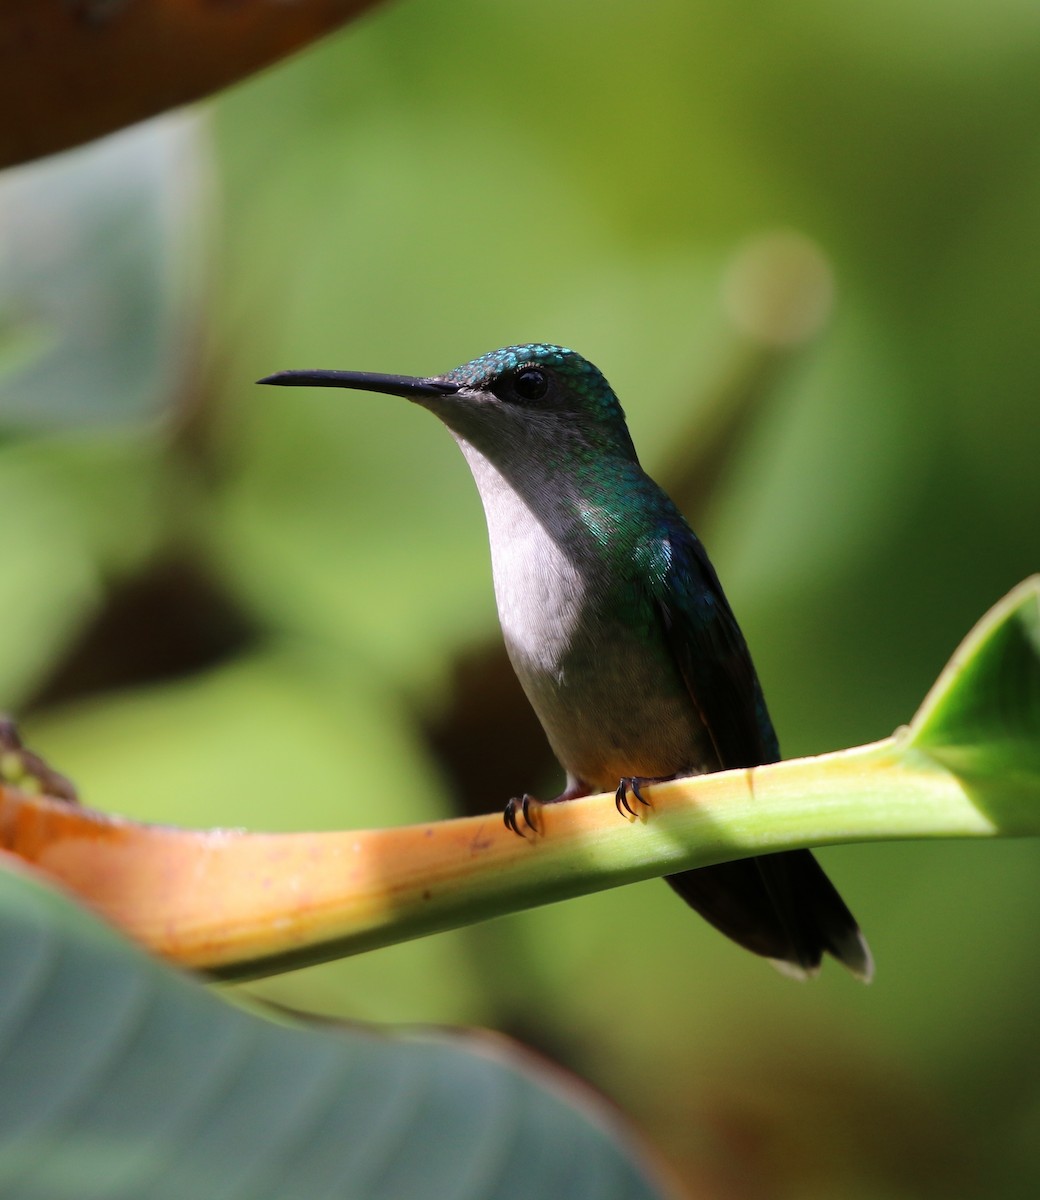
[[122, 1079]]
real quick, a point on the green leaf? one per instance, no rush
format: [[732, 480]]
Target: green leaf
[[981, 720], [100, 279], [124, 1079]]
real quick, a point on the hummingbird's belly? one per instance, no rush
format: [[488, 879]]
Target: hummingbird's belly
[[591, 656], [613, 705]]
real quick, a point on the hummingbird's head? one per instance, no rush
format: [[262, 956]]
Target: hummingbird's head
[[537, 398], [524, 401]]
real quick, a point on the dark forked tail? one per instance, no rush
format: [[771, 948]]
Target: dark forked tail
[[781, 906]]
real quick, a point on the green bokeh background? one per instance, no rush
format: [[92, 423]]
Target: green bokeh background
[[443, 179]]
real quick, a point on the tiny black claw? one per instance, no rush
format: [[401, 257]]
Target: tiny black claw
[[621, 799], [631, 783], [520, 807], [509, 816], [634, 785]]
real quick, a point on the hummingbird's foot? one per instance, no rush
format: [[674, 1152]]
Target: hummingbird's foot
[[632, 784], [521, 808]]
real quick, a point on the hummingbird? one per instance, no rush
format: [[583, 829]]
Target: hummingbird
[[616, 624]]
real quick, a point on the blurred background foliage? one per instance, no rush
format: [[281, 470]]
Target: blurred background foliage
[[226, 605]]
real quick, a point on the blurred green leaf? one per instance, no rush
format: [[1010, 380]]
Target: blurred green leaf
[[75, 512], [99, 273], [123, 1079]]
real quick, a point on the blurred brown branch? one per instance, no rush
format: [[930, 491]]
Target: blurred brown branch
[[76, 70]]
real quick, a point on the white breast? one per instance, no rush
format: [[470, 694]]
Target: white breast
[[539, 591]]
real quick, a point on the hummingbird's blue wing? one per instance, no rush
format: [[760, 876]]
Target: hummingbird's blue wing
[[781, 905], [710, 652]]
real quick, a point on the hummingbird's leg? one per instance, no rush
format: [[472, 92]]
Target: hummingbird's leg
[[521, 808], [632, 784], [575, 789], [526, 807]]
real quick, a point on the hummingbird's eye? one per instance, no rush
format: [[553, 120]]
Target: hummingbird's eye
[[531, 383]]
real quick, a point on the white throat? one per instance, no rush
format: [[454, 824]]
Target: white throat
[[539, 588]]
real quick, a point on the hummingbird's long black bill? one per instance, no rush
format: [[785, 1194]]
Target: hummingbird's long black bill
[[364, 381]]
